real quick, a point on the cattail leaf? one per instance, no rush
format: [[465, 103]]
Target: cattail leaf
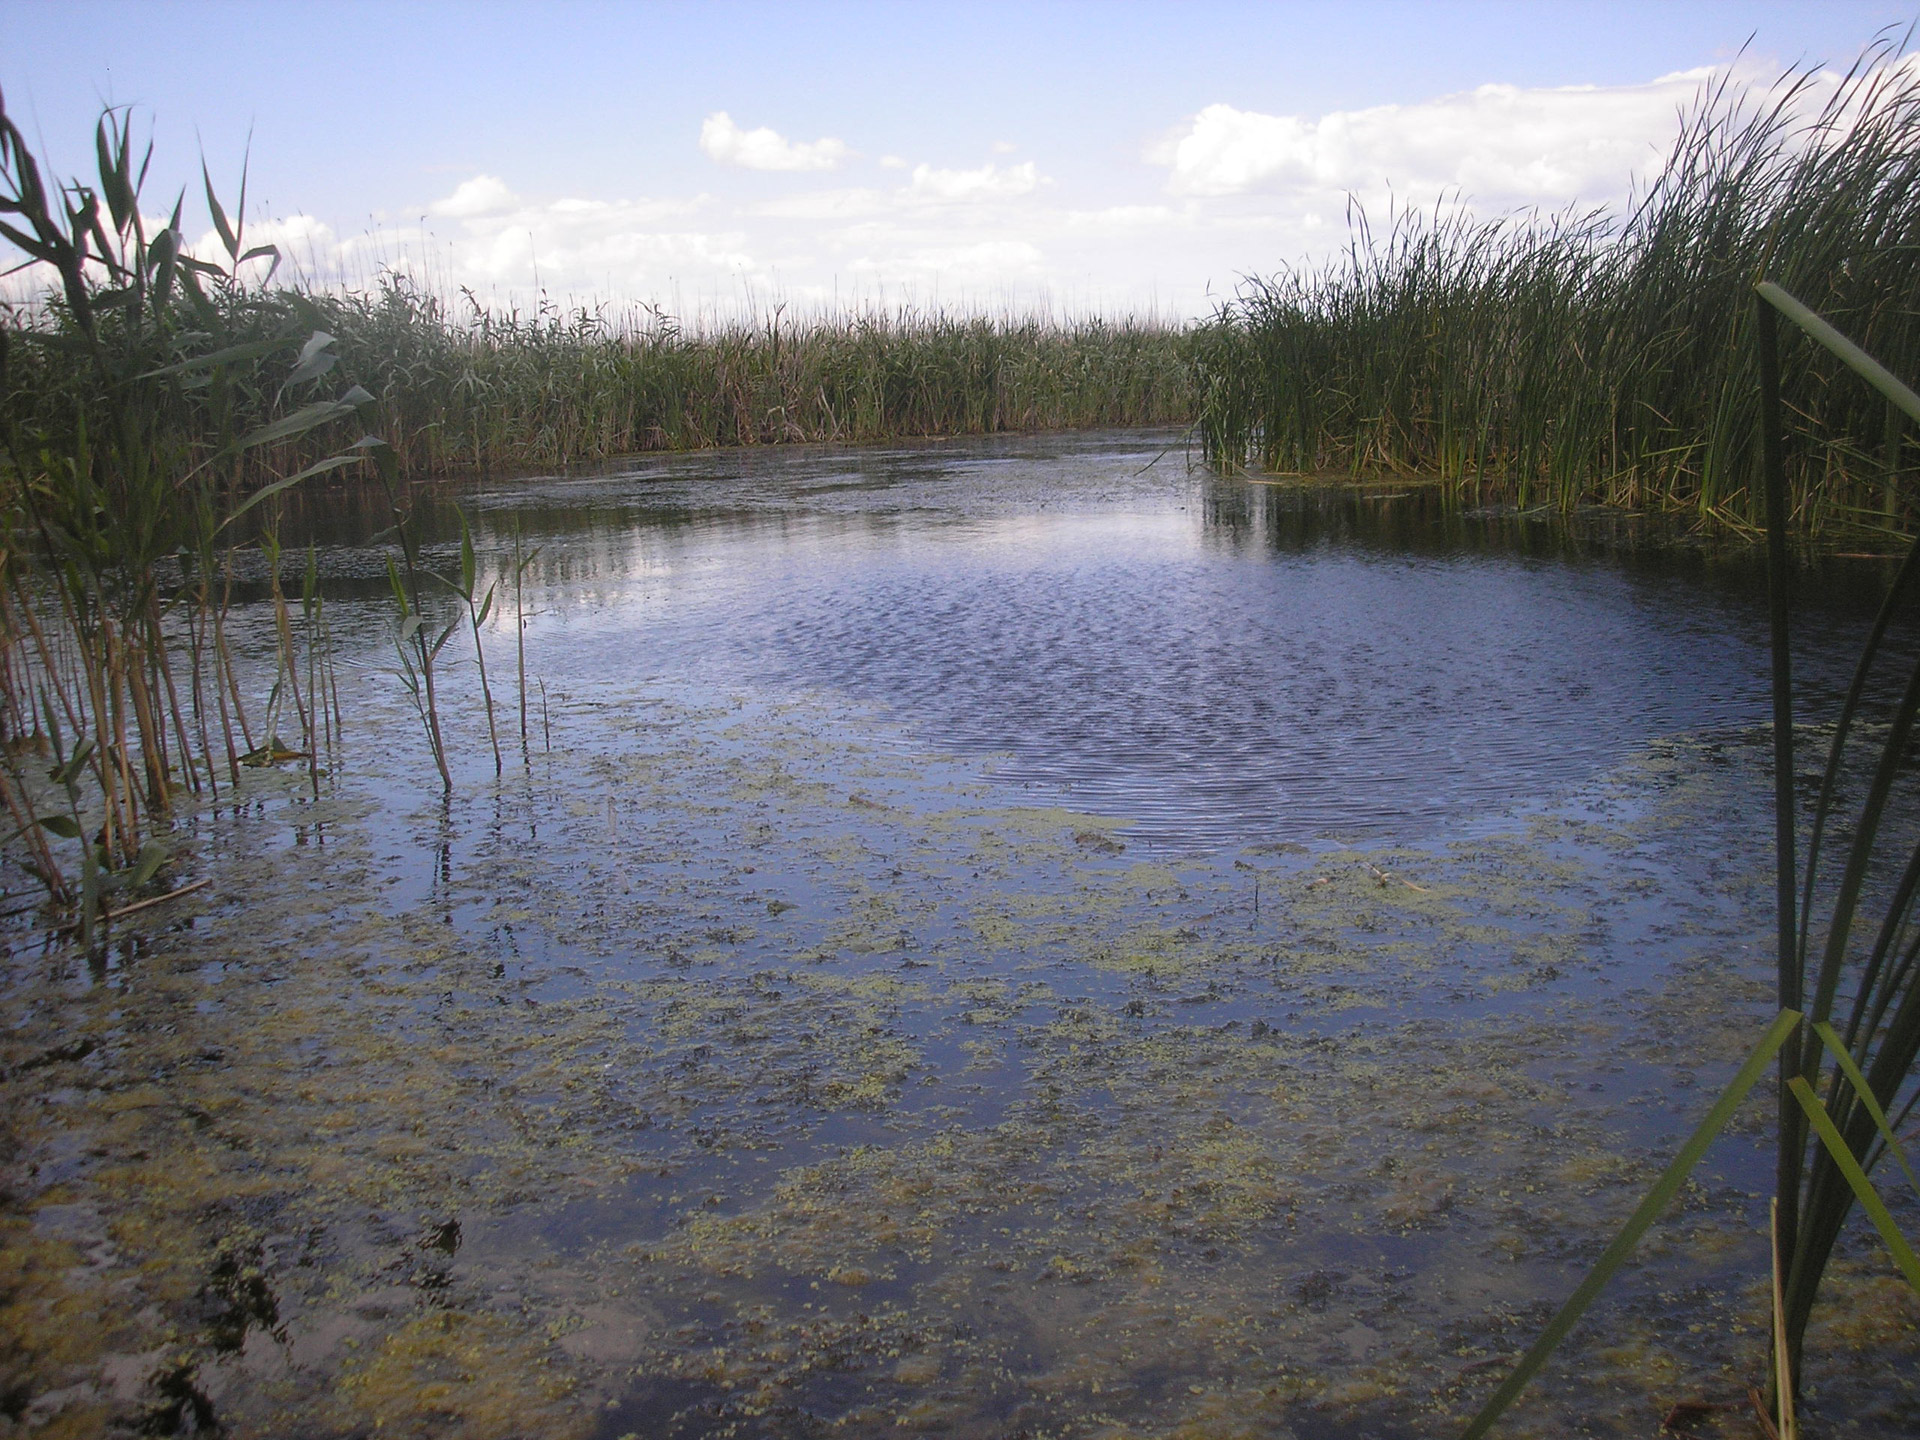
[[161, 255], [113, 175], [287, 482], [1864, 1093], [1869, 1198], [39, 250], [147, 863], [227, 237], [226, 355], [468, 563], [298, 423]]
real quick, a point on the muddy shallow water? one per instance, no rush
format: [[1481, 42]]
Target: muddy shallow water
[[1004, 939]]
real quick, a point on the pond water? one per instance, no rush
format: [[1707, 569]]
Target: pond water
[[998, 938]]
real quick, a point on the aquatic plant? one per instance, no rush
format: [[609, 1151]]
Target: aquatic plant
[[1876, 985], [115, 553], [414, 640], [498, 389], [478, 609], [461, 387], [1844, 1090], [522, 558], [1589, 357]]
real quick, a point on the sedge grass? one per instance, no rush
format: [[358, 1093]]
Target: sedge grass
[[1844, 1089], [1590, 357]]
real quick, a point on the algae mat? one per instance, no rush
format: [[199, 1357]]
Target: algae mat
[[735, 1068]]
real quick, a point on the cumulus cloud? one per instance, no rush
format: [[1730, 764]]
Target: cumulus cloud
[[482, 195], [725, 143], [989, 182], [1241, 191], [1496, 143], [1130, 217]]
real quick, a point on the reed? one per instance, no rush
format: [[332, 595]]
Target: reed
[[1849, 916], [1601, 358], [461, 388], [115, 557], [1847, 1035]]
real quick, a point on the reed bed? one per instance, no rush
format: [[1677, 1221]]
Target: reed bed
[[1590, 357], [460, 387]]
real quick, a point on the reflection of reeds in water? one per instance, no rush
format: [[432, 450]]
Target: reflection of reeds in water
[[1586, 357]]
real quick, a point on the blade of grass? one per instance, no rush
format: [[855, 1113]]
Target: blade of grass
[[1863, 1188]]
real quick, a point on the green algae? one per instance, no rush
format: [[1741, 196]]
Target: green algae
[[985, 1128]]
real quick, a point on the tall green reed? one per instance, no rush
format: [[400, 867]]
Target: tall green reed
[[115, 553], [463, 388], [1847, 1035], [1849, 944], [1593, 357]]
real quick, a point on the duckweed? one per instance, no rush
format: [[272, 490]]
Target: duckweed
[[743, 1103]]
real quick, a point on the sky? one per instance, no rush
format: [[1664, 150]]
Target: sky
[[711, 158]]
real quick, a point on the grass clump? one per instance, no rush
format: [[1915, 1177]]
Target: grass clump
[[115, 547], [1590, 357], [494, 390], [462, 388]]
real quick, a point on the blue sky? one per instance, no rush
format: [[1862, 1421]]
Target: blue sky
[[1089, 156]]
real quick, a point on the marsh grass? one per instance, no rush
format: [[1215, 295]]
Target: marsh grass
[[1589, 357], [1847, 1034], [115, 538], [1860, 879], [461, 388]]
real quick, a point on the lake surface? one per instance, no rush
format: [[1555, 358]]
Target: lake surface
[[1214, 661], [1005, 938]]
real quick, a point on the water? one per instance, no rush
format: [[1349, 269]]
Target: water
[[1005, 938], [1213, 661]]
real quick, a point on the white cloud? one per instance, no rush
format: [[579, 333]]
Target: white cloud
[[989, 182], [823, 205], [482, 195], [1130, 217], [1241, 192], [1496, 144], [981, 266], [725, 143]]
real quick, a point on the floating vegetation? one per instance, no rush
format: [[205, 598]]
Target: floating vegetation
[[579, 1137]]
